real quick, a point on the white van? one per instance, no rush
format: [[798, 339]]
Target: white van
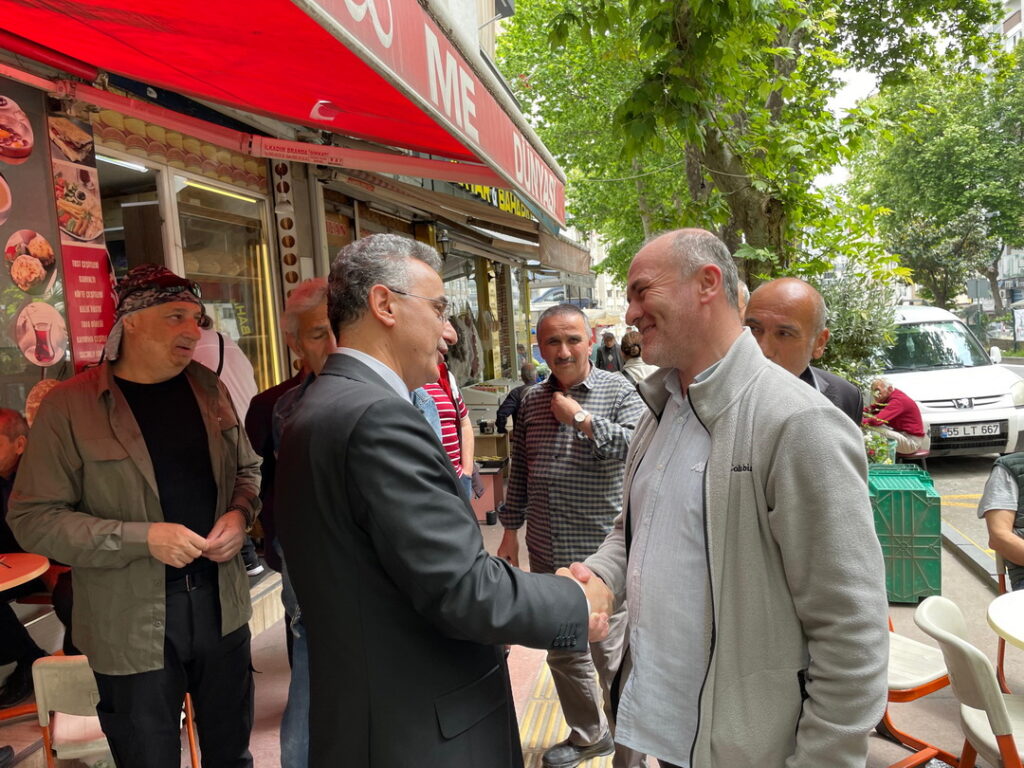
[[970, 404]]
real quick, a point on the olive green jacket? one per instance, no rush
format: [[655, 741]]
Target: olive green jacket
[[86, 495]]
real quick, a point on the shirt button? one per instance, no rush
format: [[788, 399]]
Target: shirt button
[[661, 467], [158, 623]]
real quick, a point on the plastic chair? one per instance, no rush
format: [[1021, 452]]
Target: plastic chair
[[65, 685], [915, 670], [921, 456], [989, 718]]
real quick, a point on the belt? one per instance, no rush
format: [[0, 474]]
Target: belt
[[190, 582]]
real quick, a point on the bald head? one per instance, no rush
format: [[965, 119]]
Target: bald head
[[787, 317]]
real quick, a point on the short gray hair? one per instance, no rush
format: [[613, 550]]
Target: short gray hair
[[307, 296], [374, 260], [564, 309], [12, 424], [695, 248]]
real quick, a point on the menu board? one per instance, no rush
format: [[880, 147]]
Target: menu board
[[87, 270], [33, 331]]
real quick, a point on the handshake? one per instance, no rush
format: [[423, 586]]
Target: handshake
[[601, 599]]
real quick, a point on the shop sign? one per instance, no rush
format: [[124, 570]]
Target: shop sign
[[400, 40], [502, 199]]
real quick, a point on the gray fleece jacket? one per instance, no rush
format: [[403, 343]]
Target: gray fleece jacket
[[797, 643]]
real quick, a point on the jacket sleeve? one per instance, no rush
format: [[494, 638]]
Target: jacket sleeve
[[246, 492], [836, 577], [429, 543], [43, 513]]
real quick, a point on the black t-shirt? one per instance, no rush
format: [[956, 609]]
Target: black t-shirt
[[172, 426]]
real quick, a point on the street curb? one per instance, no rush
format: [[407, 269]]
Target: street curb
[[970, 556]]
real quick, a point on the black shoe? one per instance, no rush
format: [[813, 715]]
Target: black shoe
[[18, 686], [6, 756], [253, 566], [566, 755]]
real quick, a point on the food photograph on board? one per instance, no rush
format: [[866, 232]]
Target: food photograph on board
[[77, 191]]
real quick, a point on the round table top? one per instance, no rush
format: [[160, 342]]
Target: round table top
[[18, 567], [1006, 617]]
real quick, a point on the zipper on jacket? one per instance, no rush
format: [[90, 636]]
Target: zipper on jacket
[[711, 586]]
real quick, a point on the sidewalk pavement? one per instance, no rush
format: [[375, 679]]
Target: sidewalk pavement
[[965, 580]]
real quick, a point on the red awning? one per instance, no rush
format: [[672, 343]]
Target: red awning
[[271, 57]]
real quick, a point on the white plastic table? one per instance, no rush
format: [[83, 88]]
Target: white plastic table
[[1006, 617]]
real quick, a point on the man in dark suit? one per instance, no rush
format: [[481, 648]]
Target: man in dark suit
[[788, 318], [405, 610]]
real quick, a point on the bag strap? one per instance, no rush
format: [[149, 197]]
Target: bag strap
[[220, 343]]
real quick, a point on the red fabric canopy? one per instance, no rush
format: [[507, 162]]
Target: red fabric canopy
[[264, 56]]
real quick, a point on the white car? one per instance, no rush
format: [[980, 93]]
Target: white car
[[969, 403]]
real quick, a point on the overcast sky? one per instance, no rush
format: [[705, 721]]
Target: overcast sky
[[858, 85]]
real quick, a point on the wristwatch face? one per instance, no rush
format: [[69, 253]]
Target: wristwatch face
[[580, 416]]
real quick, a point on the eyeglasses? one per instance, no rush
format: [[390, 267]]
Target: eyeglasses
[[440, 303]]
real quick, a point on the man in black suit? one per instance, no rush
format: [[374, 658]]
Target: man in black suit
[[788, 318], [405, 610]]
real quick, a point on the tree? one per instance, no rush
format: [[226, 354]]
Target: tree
[[952, 178], [730, 97]]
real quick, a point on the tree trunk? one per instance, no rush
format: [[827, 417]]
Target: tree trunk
[[992, 273]]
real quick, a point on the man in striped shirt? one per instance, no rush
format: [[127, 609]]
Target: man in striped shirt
[[568, 452], [456, 427]]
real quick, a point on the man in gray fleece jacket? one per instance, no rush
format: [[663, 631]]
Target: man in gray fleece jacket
[[746, 549]]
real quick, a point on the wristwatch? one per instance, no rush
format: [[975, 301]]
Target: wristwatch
[[579, 417]]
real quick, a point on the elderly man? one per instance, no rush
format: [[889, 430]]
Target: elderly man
[[565, 483], [757, 606], [405, 610], [16, 645], [139, 476], [607, 356], [787, 317], [308, 335], [895, 415]]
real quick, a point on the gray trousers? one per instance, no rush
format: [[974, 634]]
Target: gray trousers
[[585, 696]]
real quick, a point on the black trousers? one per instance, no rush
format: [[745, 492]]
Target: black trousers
[[141, 713], [15, 642]]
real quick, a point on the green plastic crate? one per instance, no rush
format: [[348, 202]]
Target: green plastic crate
[[876, 471], [908, 522]]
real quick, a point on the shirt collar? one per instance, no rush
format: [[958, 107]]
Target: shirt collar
[[809, 377], [588, 383], [392, 379]]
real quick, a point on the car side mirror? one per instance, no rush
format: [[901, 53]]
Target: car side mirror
[[996, 354]]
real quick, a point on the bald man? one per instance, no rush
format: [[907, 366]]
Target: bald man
[[787, 317]]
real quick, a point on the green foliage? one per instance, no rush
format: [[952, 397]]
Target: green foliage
[[952, 176], [861, 318], [715, 114]]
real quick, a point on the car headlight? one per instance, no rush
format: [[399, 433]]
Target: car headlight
[[1017, 392]]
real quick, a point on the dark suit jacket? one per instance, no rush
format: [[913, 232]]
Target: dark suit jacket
[[258, 423], [403, 606], [844, 395]]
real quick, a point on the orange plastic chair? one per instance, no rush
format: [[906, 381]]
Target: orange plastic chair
[[915, 670], [1004, 587], [992, 721]]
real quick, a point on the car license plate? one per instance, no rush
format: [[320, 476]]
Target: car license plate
[[969, 430]]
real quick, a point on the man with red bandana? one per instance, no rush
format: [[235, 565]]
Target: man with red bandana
[[139, 476]]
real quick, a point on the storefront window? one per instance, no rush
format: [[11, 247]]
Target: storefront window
[[224, 247]]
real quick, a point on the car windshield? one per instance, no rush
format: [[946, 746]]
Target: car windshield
[[930, 346]]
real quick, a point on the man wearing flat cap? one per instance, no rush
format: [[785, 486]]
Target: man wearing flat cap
[[140, 478]]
